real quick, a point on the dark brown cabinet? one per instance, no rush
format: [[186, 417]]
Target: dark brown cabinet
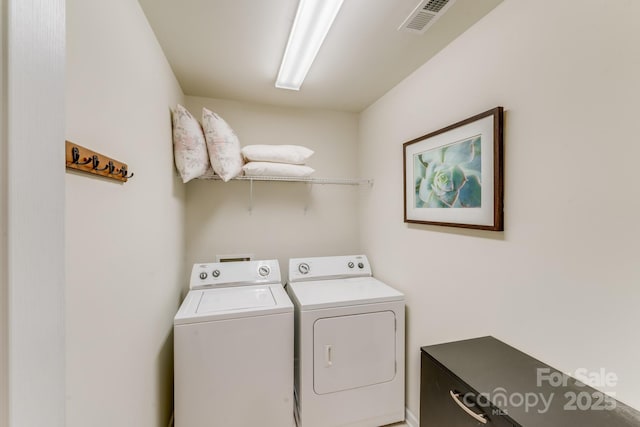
[[485, 382]]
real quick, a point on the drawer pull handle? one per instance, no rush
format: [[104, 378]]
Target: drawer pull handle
[[456, 398]]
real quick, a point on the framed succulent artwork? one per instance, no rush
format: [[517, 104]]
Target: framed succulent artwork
[[454, 176]]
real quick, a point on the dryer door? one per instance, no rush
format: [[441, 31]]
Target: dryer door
[[353, 351]]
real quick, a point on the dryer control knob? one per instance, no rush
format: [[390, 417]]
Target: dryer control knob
[[303, 268], [203, 275], [350, 264], [360, 265], [215, 273], [264, 270]]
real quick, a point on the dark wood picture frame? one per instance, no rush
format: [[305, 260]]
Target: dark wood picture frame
[[437, 167]]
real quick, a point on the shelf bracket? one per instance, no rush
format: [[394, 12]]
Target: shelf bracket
[[250, 196], [307, 199]]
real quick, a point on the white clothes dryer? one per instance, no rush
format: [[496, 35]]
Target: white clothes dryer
[[349, 344], [233, 348]]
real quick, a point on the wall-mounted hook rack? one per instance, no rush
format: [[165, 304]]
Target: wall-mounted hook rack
[[82, 159]]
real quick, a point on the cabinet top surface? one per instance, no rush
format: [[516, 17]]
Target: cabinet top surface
[[530, 392]]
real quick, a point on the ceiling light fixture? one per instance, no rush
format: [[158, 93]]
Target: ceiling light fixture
[[310, 27]]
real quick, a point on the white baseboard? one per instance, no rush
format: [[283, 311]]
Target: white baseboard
[[410, 419]]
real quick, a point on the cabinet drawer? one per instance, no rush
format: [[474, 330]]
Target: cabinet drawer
[[439, 408], [485, 371]]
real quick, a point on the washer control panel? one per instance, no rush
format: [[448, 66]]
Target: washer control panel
[[207, 275], [319, 268]]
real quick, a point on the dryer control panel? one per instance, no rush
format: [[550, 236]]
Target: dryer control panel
[[333, 267], [213, 274]]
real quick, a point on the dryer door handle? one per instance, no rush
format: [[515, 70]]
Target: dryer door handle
[[328, 354]]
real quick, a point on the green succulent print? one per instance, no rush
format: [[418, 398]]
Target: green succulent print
[[449, 177]]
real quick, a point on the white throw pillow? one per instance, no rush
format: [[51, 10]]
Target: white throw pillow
[[276, 169], [189, 148], [293, 154], [223, 146]]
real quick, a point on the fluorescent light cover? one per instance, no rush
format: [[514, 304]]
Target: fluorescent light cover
[[310, 27]]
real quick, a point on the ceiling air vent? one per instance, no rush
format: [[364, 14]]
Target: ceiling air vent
[[425, 15]]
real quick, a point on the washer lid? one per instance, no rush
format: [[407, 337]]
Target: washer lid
[[235, 299], [342, 292], [228, 303]]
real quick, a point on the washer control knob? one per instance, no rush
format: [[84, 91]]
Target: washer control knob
[[215, 273], [203, 275], [350, 264], [360, 265], [303, 268], [264, 270]]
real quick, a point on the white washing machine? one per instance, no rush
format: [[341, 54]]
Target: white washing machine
[[349, 344], [233, 348]]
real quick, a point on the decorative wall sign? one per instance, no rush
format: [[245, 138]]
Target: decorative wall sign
[[454, 176]]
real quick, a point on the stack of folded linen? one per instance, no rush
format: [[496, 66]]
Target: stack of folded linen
[[276, 160]]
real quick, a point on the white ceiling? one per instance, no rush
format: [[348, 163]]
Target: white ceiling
[[231, 49]]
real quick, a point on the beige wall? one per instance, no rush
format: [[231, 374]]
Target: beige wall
[[218, 220], [125, 242], [561, 283]]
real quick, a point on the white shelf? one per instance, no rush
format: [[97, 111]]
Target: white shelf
[[310, 180]]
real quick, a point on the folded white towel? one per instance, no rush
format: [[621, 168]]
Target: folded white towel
[[292, 154], [276, 169]]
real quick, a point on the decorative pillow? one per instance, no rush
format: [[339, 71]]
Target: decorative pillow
[[293, 154], [276, 169], [223, 146], [189, 148]]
